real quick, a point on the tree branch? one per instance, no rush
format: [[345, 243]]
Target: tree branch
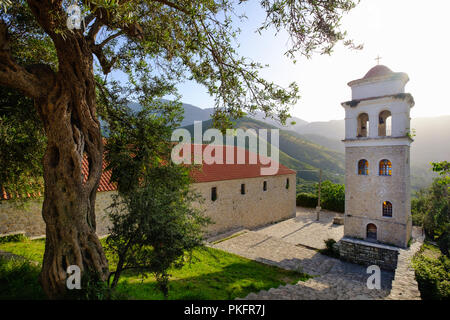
[[172, 5], [13, 75], [113, 36], [104, 63], [96, 26]]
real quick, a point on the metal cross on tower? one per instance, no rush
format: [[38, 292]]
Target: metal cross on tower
[[378, 58]]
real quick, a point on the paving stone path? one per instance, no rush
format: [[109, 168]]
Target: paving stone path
[[305, 229], [289, 245], [335, 280], [404, 286]]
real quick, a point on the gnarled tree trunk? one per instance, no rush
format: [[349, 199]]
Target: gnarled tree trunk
[[73, 132]]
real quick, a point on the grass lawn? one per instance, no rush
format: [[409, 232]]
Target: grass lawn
[[211, 274]]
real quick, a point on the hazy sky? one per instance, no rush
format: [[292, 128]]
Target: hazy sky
[[410, 35]]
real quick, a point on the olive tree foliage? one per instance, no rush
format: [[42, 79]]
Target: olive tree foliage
[[154, 223], [156, 44], [22, 137], [22, 145]]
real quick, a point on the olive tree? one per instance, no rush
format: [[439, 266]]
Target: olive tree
[[157, 43]]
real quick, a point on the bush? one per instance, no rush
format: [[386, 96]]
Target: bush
[[444, 243], [433, 277], [332, 197], [14, 237], [92, 288], [430, 209], [418, 208], [329, 243], [330, 250], [19, 280], [307, 200]]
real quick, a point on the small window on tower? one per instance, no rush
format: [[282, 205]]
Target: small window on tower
[[265, 186], [363, 167], [385, 168], [243, 188], [287, 183], [387, 209], [214, 193]]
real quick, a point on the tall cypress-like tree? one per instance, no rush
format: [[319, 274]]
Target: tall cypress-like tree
[[157, 43]]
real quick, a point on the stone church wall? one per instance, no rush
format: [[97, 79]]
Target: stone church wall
[[255, 208], [230, 210]]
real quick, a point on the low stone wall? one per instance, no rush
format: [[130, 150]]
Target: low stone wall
[[366, 253], [28, 218]]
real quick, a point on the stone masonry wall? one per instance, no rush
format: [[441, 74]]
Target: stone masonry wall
[[368, 254], [364, 195], [231, 210], [29, 217], [255, 208]]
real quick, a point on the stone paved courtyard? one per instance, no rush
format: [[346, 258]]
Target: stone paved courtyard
[[304, 229], [290, 245]]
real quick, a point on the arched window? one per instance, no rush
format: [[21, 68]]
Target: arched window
[[371, 232], [387, 209], [384, 123], [363, 125], [363, 167], [385, 168]]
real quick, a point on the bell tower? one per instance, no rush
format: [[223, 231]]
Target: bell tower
[[377, 155]]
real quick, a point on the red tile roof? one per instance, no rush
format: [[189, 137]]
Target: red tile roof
[[218, 172], [104, 183], [7, 196], [205, 172]]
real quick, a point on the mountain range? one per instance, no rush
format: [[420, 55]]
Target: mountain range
[[318, 145], [295, 151]]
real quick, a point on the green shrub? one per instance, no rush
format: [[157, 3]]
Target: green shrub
[[444, 243], [329, 243], [307, 200], [330, 250], [333, 196], [430, 209], [19, 280], [418, 207], [17, 237], [433, 277], [92, 288]]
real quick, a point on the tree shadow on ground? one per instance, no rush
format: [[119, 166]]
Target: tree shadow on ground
[[235, 280]]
